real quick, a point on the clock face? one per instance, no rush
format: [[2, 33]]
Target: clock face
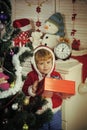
[[62, 51]]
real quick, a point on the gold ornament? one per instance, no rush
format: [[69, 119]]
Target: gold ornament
[[26, 101], [25, 127], [12, 84]]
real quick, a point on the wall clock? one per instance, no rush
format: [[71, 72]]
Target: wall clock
[[62, 51]]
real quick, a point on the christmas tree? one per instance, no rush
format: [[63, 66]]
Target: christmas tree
[[17, 112]]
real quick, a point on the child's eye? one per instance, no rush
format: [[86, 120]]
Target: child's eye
[[41, 63], [48, 62]]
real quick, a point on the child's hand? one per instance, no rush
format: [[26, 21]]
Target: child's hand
[[35, 86], [38, 87]]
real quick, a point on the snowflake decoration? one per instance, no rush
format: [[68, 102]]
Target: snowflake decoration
[[38, 23], [38, 9]]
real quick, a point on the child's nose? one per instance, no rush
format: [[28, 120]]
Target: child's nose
[[45, 65]]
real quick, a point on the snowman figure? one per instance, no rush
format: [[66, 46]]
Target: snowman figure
[[54, 29]]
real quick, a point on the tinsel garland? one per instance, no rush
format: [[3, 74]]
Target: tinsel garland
[[12, 66]]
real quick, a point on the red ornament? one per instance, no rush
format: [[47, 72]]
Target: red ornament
[[38, 23], [38, 9], [75, 44]]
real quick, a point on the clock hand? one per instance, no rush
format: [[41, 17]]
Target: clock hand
[[62, 49]]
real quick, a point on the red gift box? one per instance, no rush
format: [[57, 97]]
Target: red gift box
[[58, 86]]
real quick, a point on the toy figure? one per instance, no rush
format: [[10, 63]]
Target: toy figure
[[54, 29], [43, 64], [55, 25], [36, 38], [26, 28]]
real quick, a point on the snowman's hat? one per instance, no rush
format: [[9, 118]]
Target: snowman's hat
[[57, 19]]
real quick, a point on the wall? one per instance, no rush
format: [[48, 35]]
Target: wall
[[66, 8]]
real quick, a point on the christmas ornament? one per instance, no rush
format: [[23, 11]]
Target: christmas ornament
[[1, 26], [38, 9], [15, 106], [5, 12], [75, 44], [26, 101], [3, 16], [25, 127], [5, 121]]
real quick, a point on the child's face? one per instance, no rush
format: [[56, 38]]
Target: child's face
[[45, 66]]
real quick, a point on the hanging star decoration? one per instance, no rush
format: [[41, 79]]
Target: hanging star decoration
[[38, 9], [38, 22]]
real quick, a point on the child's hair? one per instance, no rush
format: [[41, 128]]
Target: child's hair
[[42, 54]]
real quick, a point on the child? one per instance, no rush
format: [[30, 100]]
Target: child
[[43, 63]]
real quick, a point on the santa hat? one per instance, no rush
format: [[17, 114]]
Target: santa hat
[[57, 19], [23, 24]]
